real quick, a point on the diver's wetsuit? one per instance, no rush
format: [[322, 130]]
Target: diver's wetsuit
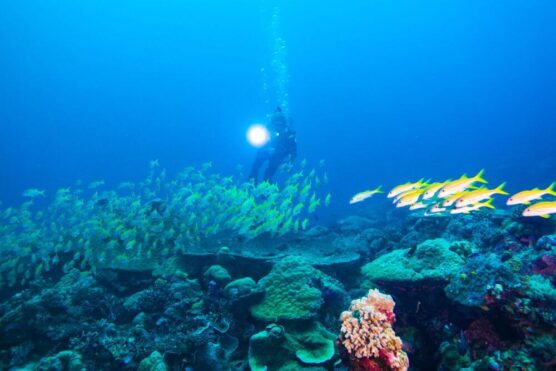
[[280, 148]]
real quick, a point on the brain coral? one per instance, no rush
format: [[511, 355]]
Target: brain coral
[[430, 260], [293, 291]]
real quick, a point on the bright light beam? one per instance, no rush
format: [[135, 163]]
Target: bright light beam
[[258, 135]]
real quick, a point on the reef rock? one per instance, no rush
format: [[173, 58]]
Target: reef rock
[[431, 260], [481, 229], [354, 224], [479, 274], [162, 295], [154, 362], [240, 287], [65, 360], [218, 274]]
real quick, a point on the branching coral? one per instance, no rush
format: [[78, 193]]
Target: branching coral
[[367, 333]]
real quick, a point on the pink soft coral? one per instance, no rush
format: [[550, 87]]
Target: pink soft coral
[[367, 333]]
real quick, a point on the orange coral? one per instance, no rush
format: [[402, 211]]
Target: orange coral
[[367, 332]]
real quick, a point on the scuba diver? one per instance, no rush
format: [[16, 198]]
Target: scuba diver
[[280, 149]]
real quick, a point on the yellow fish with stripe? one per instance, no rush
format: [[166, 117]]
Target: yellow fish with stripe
[[362, 196], [468, 209], [478, 195], [406, 187], [542, 209], [460, 184], [418, 205], [450, 200], [437, 209], [433, 189], [525, 197], [401, 195], [410, 198]]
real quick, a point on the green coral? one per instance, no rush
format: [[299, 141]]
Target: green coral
[[267, 349], [543, 347], [295, 347], [154, 362], [64, 360], [313, 344], [540, 288], [537, 353], [450, 357], [292, 291], [430, 260], [241, 286], [463, 248], [515, 264], [218, 274]]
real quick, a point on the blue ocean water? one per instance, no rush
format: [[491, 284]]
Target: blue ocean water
[[385, 92]]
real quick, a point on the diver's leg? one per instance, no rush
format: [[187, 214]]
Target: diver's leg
[[274, 163], [262, 156]]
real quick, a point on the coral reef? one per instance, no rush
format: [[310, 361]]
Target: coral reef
[[203, 272], [367, 333], [432, 260], [240, 287], [481, 229], [218, 274], [294, 290], [65, 360], [154, 362], [300, 346]]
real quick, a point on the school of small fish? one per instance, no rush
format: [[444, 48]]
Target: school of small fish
[[463, 196]]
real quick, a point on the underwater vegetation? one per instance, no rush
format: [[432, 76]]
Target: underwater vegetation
[[206, 272]]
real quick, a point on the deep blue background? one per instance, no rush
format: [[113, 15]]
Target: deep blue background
[[385, 91]]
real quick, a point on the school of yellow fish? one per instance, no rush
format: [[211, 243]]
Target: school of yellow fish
[[463, 196]]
